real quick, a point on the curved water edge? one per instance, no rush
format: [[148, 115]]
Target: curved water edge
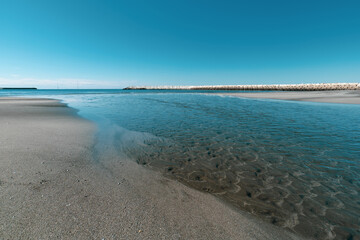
[[293, 164]]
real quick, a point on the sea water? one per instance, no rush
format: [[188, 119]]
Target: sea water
[[294, 164]]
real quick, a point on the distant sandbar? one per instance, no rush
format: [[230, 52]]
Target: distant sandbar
[[348, 97]]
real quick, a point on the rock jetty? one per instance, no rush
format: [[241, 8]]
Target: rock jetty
[[273, 87]]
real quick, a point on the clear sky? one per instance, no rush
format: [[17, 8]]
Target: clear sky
[[113, 44]]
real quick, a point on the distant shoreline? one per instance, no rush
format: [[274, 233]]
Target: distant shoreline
[[272, 87], [18, 88], [346, 97]]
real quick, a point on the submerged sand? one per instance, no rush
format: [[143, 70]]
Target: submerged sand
[[53, 185], [345, 96]]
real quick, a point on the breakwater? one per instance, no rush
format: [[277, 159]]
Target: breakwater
[[272, 87]]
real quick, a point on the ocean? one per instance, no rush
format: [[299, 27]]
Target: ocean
[[293, 164]]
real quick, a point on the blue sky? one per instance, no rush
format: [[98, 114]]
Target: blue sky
[[113, 44]]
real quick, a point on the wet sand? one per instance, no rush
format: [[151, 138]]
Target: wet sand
[[53, 185], [345, 96]]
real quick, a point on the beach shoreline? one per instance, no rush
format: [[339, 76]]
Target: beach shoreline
[[341, 96], [52, 187]]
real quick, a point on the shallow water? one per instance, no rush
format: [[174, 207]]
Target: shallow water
[[294, 164]]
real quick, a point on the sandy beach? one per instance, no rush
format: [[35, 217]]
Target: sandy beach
[[345, 96], [52, 187]]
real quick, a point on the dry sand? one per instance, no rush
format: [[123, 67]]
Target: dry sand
[[346, 96], [52, 187]]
